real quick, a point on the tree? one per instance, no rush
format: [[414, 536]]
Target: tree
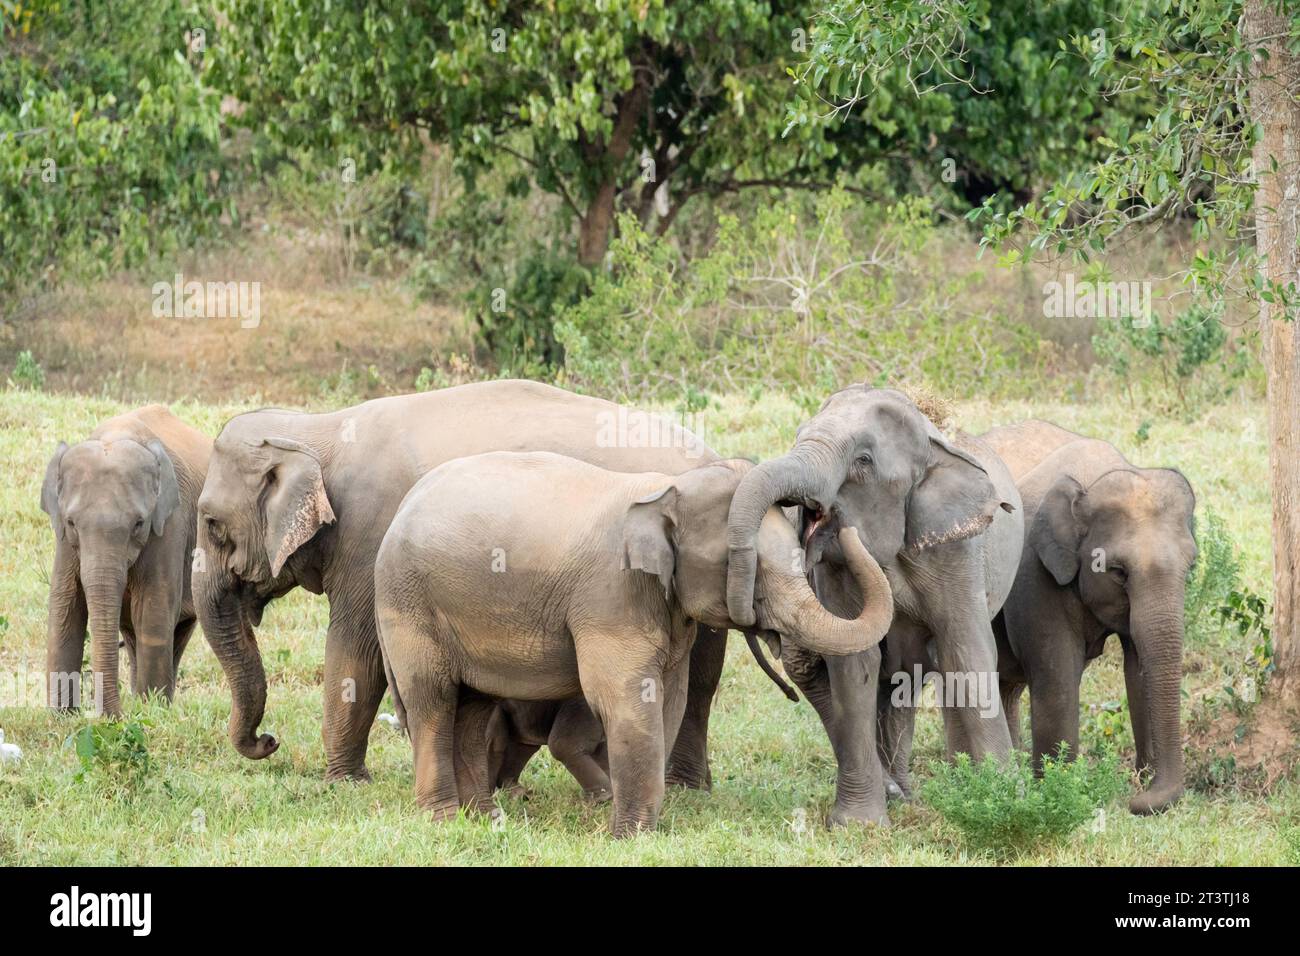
[[109, 137], [1218, 145], [603, 103]]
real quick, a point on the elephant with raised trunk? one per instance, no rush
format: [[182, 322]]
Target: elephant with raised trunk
[[303, 500], [1107, 550], [122, 506], [538, 577], [941, 518]]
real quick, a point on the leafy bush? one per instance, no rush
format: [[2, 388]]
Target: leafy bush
[[109, 137], [113, 753], [1211, 579], [1005, 808], [804, 295], [1181, 366], [28, 372]]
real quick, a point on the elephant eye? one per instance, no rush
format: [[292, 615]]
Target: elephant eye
[[1118, 573], [139, 526]]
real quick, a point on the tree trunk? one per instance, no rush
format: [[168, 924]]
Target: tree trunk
[[1274, 85], [593, 234]]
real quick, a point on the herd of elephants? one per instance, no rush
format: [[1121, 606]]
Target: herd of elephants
[[516, 578]]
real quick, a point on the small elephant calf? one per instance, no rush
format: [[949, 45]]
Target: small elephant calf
[[122, 506], [495, 739], [536, 577]]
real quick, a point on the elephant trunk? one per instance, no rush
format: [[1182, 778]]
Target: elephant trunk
[[104, 581], [228, 632], [1156, 625], [791, 607], [798, 476]]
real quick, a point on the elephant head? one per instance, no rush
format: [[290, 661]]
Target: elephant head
[[679, 535], [263, 499], [106, 499], [1127, 542], [868, 460]]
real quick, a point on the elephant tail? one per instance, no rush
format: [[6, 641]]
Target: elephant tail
[[398, 707], [766, 667]]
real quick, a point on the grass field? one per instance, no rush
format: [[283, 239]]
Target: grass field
[[201, 803]]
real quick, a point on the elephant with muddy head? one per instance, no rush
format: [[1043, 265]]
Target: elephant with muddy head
[[122, 507], [942, 518], [1107, 550], [536, 577]]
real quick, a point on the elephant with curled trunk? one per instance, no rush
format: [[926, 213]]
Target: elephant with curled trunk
[[1107, 550], [942, 519], [303, 500], [122, 506], [537, 577]]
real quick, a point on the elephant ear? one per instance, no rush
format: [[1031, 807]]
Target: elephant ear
[[1057, 529], [296, 503], [169, 492], [953, 500], [50, 490], [647, 545]]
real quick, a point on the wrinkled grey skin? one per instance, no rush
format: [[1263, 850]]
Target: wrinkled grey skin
[[303, 500], [122, 507], [1107, 551], [538, 577], [496, 738], [943, 519]]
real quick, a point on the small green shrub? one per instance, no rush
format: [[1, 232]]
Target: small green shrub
[[1181, 366], [113, 754], [1005, 808], [27, 372], [1211, 580]]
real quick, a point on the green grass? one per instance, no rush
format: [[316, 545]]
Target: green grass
[[201, 803]]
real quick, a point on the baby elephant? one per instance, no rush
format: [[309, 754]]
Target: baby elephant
[[536, 577], [495, 739], [122, 506]]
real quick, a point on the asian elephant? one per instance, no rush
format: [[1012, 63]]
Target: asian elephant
[[942, 519], [122, 506], [494, 739], [1107, 550], [297, 499], [533, 576]]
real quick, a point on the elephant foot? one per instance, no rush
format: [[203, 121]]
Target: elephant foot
[[843, 816], [601, 795], [1155, 800], [353, 775], [515, 791], [440, 812], [689, 778], [898, 788]]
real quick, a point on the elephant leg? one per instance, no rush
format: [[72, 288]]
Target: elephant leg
[[153, 627], [513, 760], [1011, 695], [689, 764], [634, 726], [968, 670], [859, 786], [355, 682], [905, 660], [477, 737], [430, 690], [181, 640], [65, 632], [1054, 702], [575, 737], [1137, 705]]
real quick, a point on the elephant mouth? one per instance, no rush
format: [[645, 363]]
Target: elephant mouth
[[818, 526]]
